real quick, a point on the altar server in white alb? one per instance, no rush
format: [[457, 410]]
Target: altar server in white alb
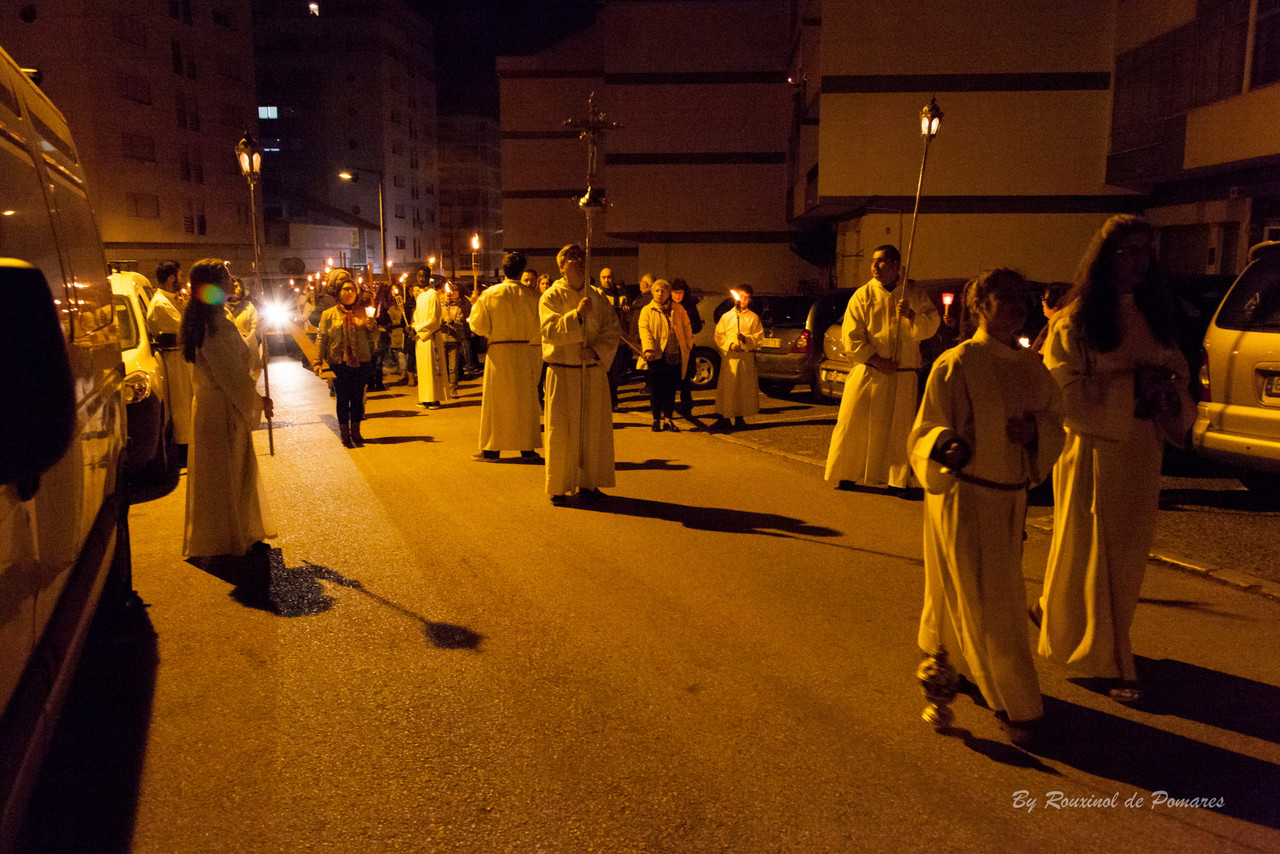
[[882, 330], [164, 317], [433, 384], [1113, 350], [990, 427], [507, 315], [738, 336], [226, 511], [580, 334]]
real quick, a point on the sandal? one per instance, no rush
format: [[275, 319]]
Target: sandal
[[1125, 691]]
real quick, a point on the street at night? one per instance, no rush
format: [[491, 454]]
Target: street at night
[[720, 656]]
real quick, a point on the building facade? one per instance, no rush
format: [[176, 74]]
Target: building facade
[[157, 94], [470, 195], [346, 87], [696, 175]]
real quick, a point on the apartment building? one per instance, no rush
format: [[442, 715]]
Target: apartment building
[[696, 175], [470, 195], [157, 94], [346, 87]]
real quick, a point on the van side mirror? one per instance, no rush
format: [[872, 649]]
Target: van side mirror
[[167, 341], [38, 415]]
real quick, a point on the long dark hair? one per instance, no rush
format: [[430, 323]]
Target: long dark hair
[[210, 282], [1098, 312]]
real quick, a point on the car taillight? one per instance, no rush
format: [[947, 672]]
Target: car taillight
[[1204, 376], [802, 342]]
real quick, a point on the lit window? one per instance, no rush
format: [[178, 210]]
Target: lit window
[[314, 7], [268, 112]]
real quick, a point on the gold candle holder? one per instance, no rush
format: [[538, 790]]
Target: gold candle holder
[[939, 682]]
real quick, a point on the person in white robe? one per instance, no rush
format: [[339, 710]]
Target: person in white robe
[[1115, 335], [507, 315], [428, 316], [990, 426], [580, 335], [164, 317], [244, 313], [738, 335], [227, 513], [883, 326]]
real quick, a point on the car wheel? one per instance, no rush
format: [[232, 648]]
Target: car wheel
[[1262, 482], [706, 369], [773, 388]]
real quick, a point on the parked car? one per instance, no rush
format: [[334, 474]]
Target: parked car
[[64, 533], [793, 324], [146, 388], [705, 357], [1238, 417], [834, 364]]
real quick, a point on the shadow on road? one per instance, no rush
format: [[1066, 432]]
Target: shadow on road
[[652, 465], [86, 797], [712, 518], [1148, 758], [1211, 697], [261, 580], [391, 413], [1240, 500]]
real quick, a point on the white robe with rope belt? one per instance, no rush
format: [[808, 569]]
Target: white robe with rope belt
[[738, 389], [163, 316], [579, 431], [428, 316], [226, 509], [507, 315], [869, 443], [975, 601]]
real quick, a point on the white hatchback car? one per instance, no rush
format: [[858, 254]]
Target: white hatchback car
[[1238, 420], [145, 386]]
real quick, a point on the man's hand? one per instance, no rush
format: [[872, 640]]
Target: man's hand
[[584, 305], [651, 355], [318, 367], [905, 311], [883, 365], [267, 409]]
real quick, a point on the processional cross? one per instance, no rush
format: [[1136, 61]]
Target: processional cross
[[592, 129]]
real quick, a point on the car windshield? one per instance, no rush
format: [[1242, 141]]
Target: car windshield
[[128, 330], [783, 312], [1254, 301]]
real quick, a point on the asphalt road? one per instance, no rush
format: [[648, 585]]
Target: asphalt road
[[720, 657]]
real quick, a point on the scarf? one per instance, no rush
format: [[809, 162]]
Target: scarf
[[349, 356]]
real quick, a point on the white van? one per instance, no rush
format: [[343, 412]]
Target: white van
[[63, 513], [146, 387]]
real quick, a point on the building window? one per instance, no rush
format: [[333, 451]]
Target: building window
[[224, 18], [141, 148], [271, 143], [397, 147], [186, 110], [268, 112], [399, 211], [129, 28], [397, 180], [135, 88], [399, 242], [395, 117], [1266, 45], [191, 165], [180, 10], [142, 205], [417, 248]]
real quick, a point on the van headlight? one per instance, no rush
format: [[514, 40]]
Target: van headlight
[[137, 386]]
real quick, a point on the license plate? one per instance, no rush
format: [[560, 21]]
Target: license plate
[[772, 342], [1271, 388], [834, 376]]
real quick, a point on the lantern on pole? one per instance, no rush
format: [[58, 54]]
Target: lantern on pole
[[930, 119], [249, 157]]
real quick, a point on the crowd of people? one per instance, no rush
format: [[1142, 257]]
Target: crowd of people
[[996, 418]]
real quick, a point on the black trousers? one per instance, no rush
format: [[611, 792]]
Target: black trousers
[[348, 387], [664, 379]]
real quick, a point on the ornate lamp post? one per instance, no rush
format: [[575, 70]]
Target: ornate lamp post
[[382, 226], [249, 156]]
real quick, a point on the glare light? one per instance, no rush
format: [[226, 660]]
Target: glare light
[[10, 213], [475, 243], [314, 8], [930, 117], [432, 260], [276, 314], [947, 299], [737, 296], [1025, 342]]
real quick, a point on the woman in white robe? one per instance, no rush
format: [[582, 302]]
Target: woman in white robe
[[1115, 334], [226, 510], [738, 335], [428, 316], [989, 427]]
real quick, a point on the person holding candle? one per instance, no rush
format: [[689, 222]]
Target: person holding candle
[[883, 326], [428, 317], [738, 335], [345, 341]]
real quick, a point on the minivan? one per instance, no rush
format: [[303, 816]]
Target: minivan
[[64, 535]]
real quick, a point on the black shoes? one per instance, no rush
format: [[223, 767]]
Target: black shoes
[[356, 438], [559, 500], [670, 426], [486, 457], [592, 495], [657, 426], [531, 457]]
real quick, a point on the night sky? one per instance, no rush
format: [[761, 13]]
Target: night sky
[[470, 33]]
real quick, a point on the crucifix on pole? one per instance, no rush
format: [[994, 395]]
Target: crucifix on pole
[[592, 129]]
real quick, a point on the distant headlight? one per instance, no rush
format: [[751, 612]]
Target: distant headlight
[[137, 386], [276, 315]]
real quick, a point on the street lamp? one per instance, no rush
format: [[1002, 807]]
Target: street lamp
[[249, 156], [382, 227], [475, 273]]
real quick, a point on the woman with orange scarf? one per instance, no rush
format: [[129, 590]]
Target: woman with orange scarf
[[345, 342]]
